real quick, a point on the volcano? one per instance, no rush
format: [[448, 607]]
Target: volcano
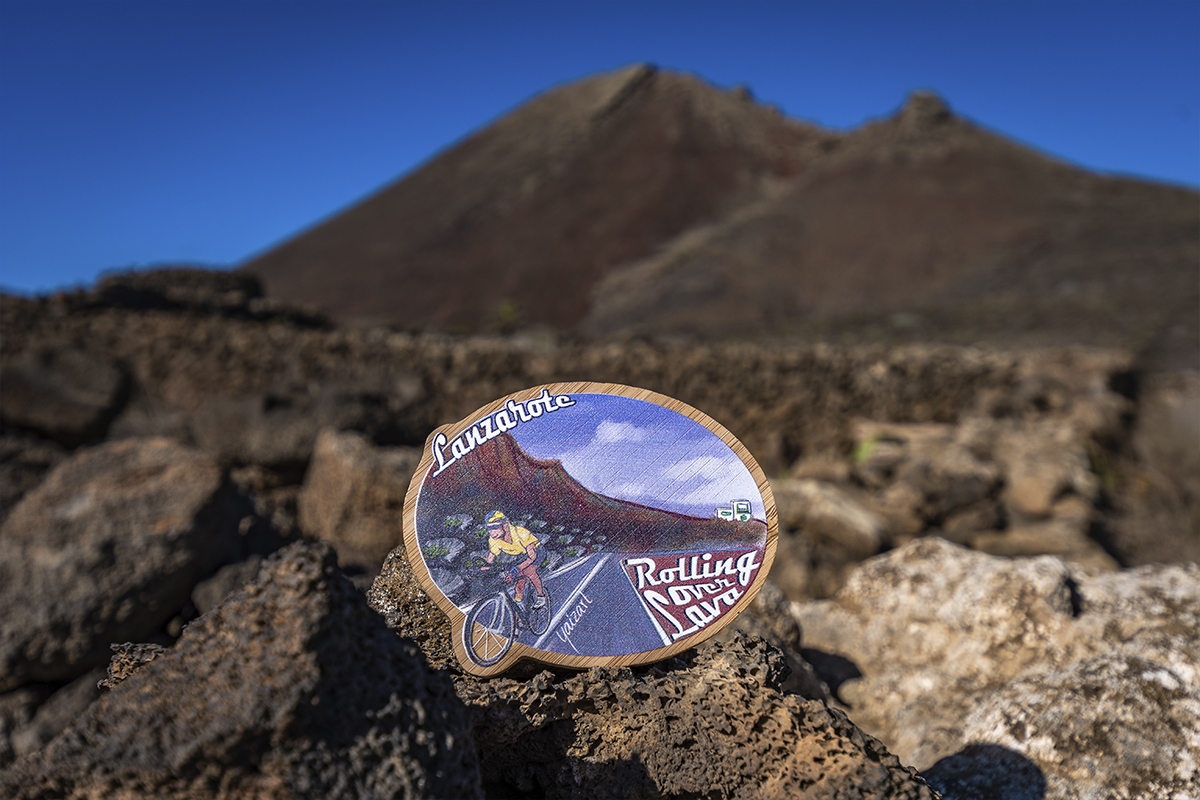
[[523, 218], [648, 202]]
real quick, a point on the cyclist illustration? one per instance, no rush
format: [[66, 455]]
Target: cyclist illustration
[[513, 540], [496, 620]]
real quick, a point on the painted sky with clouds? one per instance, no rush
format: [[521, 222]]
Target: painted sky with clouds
[[641, 452]]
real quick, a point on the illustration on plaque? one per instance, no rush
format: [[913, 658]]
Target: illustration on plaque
[[587, 524]]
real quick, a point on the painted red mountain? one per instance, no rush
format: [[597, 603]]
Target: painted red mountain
[[500, 475]]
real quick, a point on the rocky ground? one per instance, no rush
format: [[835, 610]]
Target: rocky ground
[[985, 586]]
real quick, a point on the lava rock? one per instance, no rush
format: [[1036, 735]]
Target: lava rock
[[293, 687], [829, 516], [128, 658], [56, 713], [410, 612], [1107, 726], [171, 288], [714, 724], [24, 462], [107, 549], [17, 709], [63, 393], [769, 617], [353, 497], [228, 579], [952, 648]]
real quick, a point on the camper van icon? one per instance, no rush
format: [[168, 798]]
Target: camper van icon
[[738, 510]]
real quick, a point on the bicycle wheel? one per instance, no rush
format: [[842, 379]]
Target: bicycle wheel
[[539, 618], [488, 631]]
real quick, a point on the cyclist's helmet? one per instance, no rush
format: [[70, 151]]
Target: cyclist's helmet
[[495, 519]]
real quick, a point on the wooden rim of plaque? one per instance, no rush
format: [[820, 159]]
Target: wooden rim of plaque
[[520, 651]]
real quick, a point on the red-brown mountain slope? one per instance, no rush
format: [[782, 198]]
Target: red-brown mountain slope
[[648, 202], [531, 211], [928, 214]]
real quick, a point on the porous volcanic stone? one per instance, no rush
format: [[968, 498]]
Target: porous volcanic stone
[[1107, 726], [24, 462], [410, 612], [714, 724], [228, 579], [56, 713], [829, 516], [291, 688], [353, 497], [62, 392], [127, 659], [107, 549], [711, 725], [1091, 677]]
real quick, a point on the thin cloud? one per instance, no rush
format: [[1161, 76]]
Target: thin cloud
[[609, 431]]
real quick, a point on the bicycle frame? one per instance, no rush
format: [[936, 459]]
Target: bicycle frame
[[496, 621]]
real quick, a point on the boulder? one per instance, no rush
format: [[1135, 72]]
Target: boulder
[[410, 612], [953, 649], [1042, 462], [24, 462], [1158, 503], [291, 688], [107, 549], [931, 470], [715, 723], [279, 427], [17, 709], [64, 393], [56, 713], [829, 516], [769, 617], [228, 579], [1110, 726], [276, 429], [711, 724], [353, 498], [1053, 537]]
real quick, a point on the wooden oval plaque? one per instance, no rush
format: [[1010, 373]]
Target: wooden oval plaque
[[586, 524]]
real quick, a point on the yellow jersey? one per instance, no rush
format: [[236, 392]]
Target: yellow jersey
[[521, 539]]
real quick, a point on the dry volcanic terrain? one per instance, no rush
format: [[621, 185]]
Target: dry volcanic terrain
[[648, 202], [201, 484], [969, 371]]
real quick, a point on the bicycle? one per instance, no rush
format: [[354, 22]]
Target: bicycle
[[495, 622]]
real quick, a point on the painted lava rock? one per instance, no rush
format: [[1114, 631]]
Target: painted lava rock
[[585, 524]]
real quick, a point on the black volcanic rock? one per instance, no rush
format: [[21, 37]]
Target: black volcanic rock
[[353, 498], [292, 687], [107, 549], [499, 474], [718, 722], [63, 393], [24, 461]]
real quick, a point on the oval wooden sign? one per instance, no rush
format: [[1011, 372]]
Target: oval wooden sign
[[586, 524]]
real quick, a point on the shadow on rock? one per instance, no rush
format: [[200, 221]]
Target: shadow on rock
[[833, 669], [715, 722], [987, 772], [291, 687]]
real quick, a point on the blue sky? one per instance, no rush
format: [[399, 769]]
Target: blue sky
[[638, 451], [172, 131]]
